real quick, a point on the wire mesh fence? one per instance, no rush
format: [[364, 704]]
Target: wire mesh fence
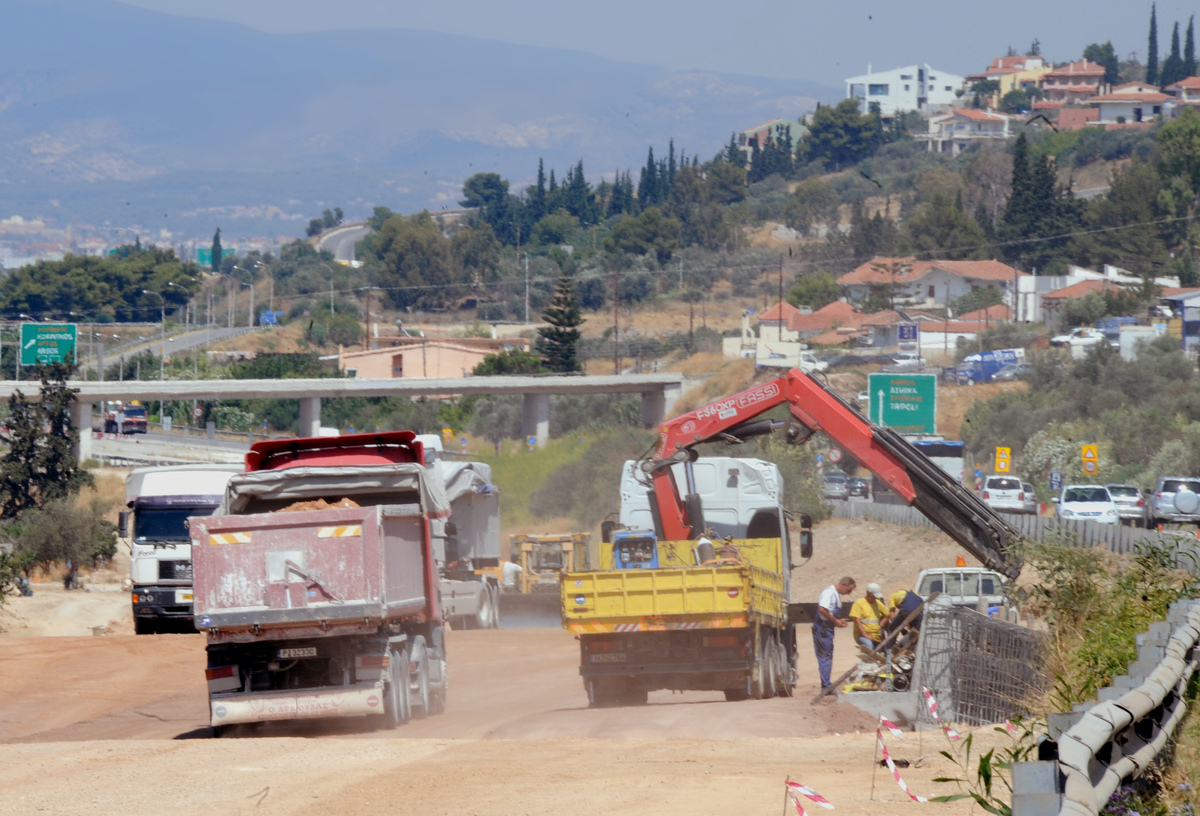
[[981, 670]]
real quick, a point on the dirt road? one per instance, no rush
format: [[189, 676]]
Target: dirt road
[[118, 723]]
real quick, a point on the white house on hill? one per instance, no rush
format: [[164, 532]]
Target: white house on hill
[[914, 88]]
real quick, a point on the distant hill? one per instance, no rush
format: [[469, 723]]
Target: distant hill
[[109, 113]]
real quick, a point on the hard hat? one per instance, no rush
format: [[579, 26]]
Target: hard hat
[[875, 589]]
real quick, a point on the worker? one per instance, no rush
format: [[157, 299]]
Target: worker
[[868, 613], [829, 607], [902, 604], [510, 572]]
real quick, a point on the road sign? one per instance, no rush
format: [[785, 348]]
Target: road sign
[[47, 343], [904, 402], [1003, 459], [835, 455], [197, 412], [907, 332], [1056, 480], [1091, 459]]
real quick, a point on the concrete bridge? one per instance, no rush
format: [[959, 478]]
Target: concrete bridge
[[658, 392]]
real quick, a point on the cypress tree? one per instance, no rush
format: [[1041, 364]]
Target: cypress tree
[[1172, 67], [1189, 50], [648, 183], [539, 194], [557, 342], [670, 167], [733, 153], [216, 251], [1152, 47]]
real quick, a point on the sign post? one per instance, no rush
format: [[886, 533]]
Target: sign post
[[1056, 480], [48, 343], [1003, 459], [904, 402], [1091, 460]]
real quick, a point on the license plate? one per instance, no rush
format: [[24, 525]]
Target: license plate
[[287, 654], [187, 596], [609, 657]]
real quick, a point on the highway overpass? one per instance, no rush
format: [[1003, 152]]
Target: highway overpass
[[658, 393]]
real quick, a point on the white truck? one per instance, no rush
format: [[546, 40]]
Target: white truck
[[158, 501]]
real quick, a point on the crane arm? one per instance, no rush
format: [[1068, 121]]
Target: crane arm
[[813, 407]]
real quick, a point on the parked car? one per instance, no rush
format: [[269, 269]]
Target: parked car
[[1087, 502], [1013, 371], [909, 359], [1174, 499], [1031, 500], [1131, 507], [1004, 493], [962, 586], [859, 487], [1081, 336], [837, 486]]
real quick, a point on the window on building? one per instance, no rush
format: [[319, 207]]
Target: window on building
[[906, 87], [948, 88], [932, 78], [932, 291], [877, 90], [906, 76], [397, 365], [1157, 109]]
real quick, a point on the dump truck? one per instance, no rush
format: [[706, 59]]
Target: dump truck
[[316, 584], [682, 605], [158, 502]]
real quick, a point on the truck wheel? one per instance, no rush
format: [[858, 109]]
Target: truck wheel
[[784, 672], [418, 679], [494, 598], [758, 672], [143, 626], [482, 619], [393, 708], [437, 696], [601, 695], [735, 695], [219, 731], [770, 676]]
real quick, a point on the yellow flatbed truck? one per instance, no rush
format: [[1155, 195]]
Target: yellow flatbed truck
[[674, 615]]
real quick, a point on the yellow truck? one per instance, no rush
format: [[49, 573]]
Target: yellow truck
[[546, 556], [682, 615]]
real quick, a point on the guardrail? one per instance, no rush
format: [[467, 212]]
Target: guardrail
[[1121, 734], [1116, 538]]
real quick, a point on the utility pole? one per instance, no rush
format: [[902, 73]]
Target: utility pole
[[367, 328], [781, 297], [616, 323], [526, 289]]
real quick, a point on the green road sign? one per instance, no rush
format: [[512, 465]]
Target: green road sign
[[47, 342], [904, 402]]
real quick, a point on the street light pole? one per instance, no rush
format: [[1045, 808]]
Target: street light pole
[[250, 317]]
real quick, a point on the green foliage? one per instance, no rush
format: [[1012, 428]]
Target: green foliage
[[557, 341], [232, 418], [513, 362], [989, 783], [218, 253], [64, 529], [1106, 55], [942, 228], [588, 489], [974, 301], [1152, 47], [1040, 216], [812, 202], [841, 135], [1015, 100], [815, 290], [40, 465], [651, 232], [519, 472]]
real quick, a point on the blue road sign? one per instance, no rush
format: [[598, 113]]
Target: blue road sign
[[1056, 480]]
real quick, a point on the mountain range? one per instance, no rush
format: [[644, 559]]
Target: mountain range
[[111, 114]]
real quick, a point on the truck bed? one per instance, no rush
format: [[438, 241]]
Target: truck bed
[[309, 573], [671, 598]]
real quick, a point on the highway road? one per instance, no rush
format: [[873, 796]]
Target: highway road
[[341, 241]]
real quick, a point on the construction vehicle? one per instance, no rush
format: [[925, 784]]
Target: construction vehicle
[[159, 501], [317, 586], [675, 608], [124, 417], [546, 556]]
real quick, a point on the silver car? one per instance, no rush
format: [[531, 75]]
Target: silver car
[[1031, 499], [1175, 498], [1131, 507], [837, 486]]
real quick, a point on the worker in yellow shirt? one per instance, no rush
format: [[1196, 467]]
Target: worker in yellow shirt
[[868, 613]]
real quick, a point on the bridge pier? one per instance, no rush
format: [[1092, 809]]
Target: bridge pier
[[535, 417], [81, 419], [310, 416], [656, 404]]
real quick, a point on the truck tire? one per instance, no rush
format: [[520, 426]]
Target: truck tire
[[144, 626], [494, 596], [758, 671], [393, 702], [735, 695], [418, 679], [770, 675], [601, 695], [482, 619], [784, 672]]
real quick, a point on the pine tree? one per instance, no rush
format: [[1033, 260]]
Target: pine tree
[[1172, 67], [1189, 49], [733, 153], [216, 251], [648, 183], [558, 342], [538, 202], [577, 195], [670, 168], [1152, 47]]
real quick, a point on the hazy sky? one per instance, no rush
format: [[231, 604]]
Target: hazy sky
[[823, 41]]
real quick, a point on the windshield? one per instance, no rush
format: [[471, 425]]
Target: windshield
[[1086, 494], [166, 524], [1124, 491], [835, 477], [1000, 483], [135, 411]]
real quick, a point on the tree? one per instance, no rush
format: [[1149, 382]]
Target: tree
[[650, 232], [514, 362], [40, 464], [1189, 49], [1104, 54], [484, 190], [841, 135], [217, 253], [416, 261], [558, 341], [726, 182], [1110, 235], [1015, 100], [1172, 67], [814, 291], [812, 202], [537, 198], [941, 228], [1035, 49], [648, 183], [1152, 47]]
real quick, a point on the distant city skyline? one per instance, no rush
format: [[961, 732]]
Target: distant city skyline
[[818, 42]]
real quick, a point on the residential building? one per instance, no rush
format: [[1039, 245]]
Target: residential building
[[424, 357], [1074, 83], [1126, 104], [1185, 91], [759, 135], [953, 132], [915, 88], [1012, 73], [776, 317], [928, 283], [1076, 118]]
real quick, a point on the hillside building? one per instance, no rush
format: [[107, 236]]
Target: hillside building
[[915, 88]]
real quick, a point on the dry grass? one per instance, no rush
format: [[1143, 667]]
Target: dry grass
[[730, 378], [955, 400], [286, 339]]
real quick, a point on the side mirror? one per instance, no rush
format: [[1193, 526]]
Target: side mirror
[[806, 543], [123, 524], [1054, 499]]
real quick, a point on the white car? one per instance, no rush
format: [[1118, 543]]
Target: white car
[[1082, 336], [909, 359], [1088, 502], [1004, 493]]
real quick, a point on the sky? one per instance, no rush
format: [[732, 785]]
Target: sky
[[820, 41]]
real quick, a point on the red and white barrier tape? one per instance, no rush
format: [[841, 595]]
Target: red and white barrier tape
[[796, 790], [892, 767], [933, 712], [891, 726]]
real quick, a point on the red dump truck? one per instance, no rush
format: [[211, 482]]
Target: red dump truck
[[316, 584]]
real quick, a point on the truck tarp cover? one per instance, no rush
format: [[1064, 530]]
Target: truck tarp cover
[[247, 492], [462, 478]]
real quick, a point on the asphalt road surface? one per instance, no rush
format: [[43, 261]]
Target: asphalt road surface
[[341, 242]]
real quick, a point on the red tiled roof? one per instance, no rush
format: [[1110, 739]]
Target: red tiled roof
[[906, 270], [1077, 290], [1080, 68], [1148, 96], [885, 318], [1189, 84], [1168, 291], [983, 116], [997, 312], [1134, 87], [772, 314], [833, 338], [838, 307], [1049, 104]]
